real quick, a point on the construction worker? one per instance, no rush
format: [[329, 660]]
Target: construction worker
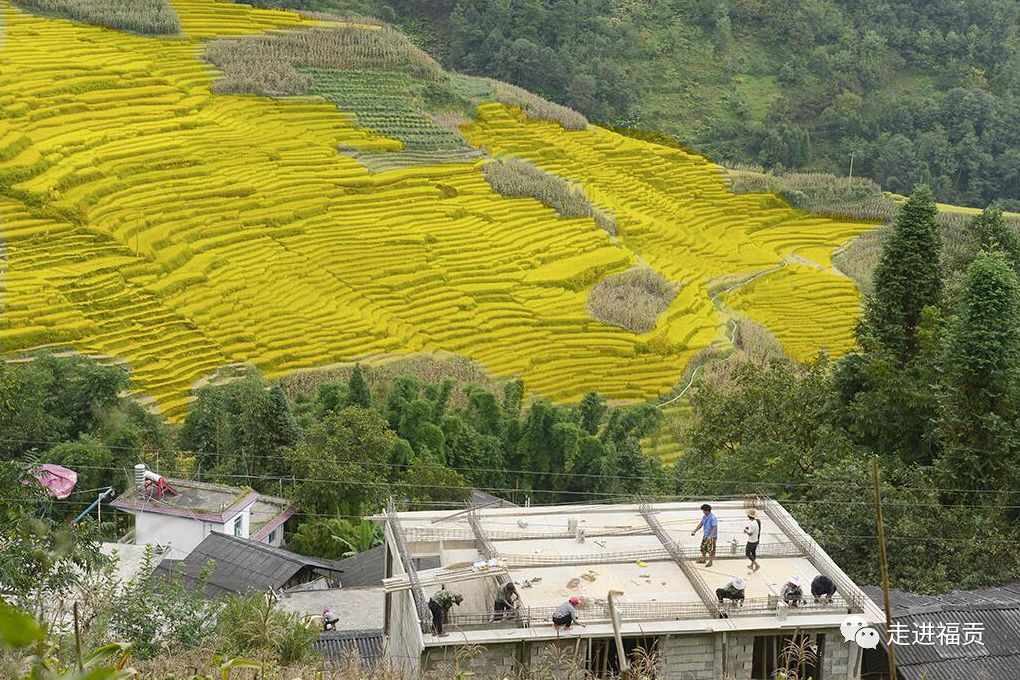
[[822, 589], [440, 605], [566, 614], [753, 531], [791, 592], [734, 591], [507, 599], [329, 619], [710, 525]]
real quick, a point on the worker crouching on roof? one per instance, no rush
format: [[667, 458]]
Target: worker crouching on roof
[[440, 605], [566, 614], [822, 589], [507, 599], [734, 591], [791, 592]]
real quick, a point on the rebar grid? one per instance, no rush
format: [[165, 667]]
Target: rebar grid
[[852, 596], [412, 573], [779, 549], [519, 560], [676, 551], [424, 534], [593, 611], [767, 605]]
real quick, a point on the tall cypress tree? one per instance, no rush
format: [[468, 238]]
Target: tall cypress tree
[[990, 232], [907, 278], [981, 366], [358, 393]]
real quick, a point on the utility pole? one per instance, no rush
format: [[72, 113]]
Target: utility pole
[[620, 653], [883, 557], [850, 177]]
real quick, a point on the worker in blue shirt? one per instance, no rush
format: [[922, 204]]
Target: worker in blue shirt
[[711, 532]]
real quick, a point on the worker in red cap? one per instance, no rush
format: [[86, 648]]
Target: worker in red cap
[[566, 614]]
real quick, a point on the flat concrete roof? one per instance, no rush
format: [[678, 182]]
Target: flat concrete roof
[[194, 500], [621, 551]]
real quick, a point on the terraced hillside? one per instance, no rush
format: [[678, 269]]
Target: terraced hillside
[[147, 218]]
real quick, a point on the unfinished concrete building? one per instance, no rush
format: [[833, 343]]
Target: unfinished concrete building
[[664, 600]]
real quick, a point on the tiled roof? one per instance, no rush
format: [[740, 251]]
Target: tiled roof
[[242, 565], [366, 568], [336, 647], [996, 609]]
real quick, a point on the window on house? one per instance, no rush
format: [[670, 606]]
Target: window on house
[[272, 536], [802, 653], [604, 660], [237, 526]]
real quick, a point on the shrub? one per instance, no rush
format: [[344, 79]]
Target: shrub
[[518, 178], [633, 300], [268, 64], [148, 17], [537, 107], [253, 625]]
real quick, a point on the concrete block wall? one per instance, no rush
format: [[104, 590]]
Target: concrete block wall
[[702, 656], [562, 659], [739, 654], [491, 661], [840, 660], [690, 657]]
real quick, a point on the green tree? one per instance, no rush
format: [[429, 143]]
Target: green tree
[[54, 399], [40, 555], [907, 278], [427, 479], [893, 409], [590, 412], [241, 428], [357, 388], [156, 614], [341, 467], [982, 359], [990, 232], [334, 538]]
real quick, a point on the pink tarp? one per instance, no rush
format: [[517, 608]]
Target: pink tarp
[[57, 479]]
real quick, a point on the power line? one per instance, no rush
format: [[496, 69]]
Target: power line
[[840, 483], [530, 491], [833, 535]]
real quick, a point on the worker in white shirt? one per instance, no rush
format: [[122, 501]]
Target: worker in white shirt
[[753, 531]]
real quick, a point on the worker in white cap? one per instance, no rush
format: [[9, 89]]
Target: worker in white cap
[[734, 591], [792, 593], [753, 531]]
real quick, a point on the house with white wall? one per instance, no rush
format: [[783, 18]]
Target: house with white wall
[[178, 514]]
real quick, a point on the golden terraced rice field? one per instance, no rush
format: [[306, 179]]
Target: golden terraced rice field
[[149, 219]]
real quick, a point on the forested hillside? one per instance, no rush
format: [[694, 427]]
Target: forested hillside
[[916, 91]]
